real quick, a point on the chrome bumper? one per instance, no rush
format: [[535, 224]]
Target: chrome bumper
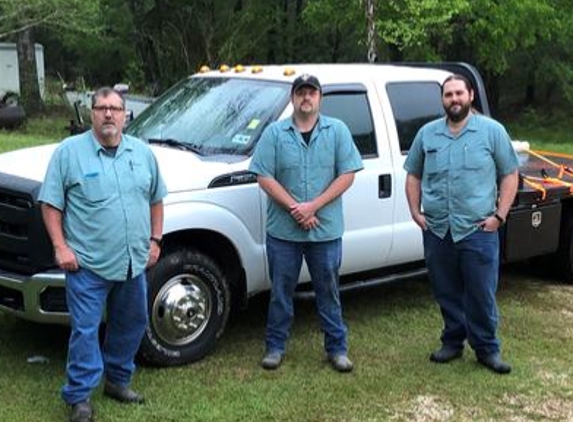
[[21, 295]]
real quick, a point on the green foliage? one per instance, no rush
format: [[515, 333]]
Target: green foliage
[[60, 15], [337, 29], [101, 56], [522, 47], [543, 130], [419, 27], [497, 29]]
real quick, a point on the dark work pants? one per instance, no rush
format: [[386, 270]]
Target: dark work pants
[[464, 277]]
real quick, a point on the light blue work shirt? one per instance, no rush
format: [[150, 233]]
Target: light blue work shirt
[[305, 171], [105, 201], [460, 173]]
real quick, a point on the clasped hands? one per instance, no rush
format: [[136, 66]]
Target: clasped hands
[[304, 215]]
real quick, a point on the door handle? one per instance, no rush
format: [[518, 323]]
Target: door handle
[[384, 186]]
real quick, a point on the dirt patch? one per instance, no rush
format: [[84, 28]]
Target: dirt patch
[[548, 408], [426, 409]]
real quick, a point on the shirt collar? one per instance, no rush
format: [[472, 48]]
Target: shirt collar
[[288, 124], [443, 129], [124, 144]]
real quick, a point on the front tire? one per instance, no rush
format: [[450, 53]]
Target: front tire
[[189, 302]]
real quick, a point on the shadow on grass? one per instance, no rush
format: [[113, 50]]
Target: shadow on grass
[[246, 328], [20, 339]]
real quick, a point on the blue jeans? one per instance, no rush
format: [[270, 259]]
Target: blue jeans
[[464, 277], [125, 303], [323, 260]]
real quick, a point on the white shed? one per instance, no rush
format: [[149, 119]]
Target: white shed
[[9, 78]]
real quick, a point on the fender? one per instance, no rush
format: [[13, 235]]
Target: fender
[[245, 235]]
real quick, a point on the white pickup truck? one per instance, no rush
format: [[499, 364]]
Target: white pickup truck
[[203, 132]]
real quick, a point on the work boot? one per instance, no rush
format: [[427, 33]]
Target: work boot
[[272, 360], [493, 362], [446, 354], [82, 412], [123, 394], [341, 363]]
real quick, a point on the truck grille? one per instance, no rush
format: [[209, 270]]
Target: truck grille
[[53, 299], [24, 243], [11, 298]]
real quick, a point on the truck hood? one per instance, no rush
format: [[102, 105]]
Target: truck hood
[[29, 163], [181, 170]]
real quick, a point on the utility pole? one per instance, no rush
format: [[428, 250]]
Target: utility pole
[[371, 37]]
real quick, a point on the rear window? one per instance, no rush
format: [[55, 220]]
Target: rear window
[[353, 109], [414, 104]]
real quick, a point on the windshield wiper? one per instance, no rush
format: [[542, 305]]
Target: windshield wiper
[[177, 144]]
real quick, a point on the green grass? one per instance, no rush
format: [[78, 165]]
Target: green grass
[[36, 131], [550, 133], [393, 329]]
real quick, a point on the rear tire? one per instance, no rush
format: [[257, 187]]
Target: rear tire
[[189, 302]]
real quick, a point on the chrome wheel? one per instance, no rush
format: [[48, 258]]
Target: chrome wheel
[[181, 309]]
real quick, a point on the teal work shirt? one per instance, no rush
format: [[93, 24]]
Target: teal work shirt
[[459, 174], [105, 201], [305, 171]]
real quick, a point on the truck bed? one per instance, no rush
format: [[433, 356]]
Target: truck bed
[[533, 168]]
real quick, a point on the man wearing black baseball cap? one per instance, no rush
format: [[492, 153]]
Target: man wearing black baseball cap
[[305, 163], [306, 80]]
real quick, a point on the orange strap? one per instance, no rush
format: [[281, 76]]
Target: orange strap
[[552, 181], [536, 186], [563, 170], [554, 154]]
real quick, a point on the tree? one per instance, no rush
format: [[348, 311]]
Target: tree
[[336, 28], [28, 73], [418, 29], [19, 19]]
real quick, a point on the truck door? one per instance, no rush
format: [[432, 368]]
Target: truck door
[[369, 203], [411, 104]]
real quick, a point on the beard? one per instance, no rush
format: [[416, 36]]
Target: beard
[[459, 114], [306, 109], [109, 130]]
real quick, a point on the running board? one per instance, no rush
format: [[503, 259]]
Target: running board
[[363, 284]]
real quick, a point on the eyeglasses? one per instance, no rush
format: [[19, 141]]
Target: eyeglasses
[[104, 109]]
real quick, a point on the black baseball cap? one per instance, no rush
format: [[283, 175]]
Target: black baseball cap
[[306, 80]]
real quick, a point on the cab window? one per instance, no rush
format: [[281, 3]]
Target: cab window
[[413, 104], [353, 109]]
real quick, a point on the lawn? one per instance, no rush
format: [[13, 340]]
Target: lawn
[[37, 131], [393, 328]]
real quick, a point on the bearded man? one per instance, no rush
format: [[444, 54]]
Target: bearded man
[[462, 179]]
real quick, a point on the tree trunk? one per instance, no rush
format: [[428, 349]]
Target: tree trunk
[[530, 88], [30, 97]]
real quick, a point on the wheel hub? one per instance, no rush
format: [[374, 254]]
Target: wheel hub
[[181, 309]]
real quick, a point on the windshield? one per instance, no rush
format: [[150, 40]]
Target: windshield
[[212, 116]]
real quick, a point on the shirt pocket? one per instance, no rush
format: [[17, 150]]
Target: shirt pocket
[[289, 156], [476, 158], [326, 157], [435, 161], [137, 179], [93, 188]]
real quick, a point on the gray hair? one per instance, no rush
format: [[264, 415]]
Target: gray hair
[[105, 92]]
